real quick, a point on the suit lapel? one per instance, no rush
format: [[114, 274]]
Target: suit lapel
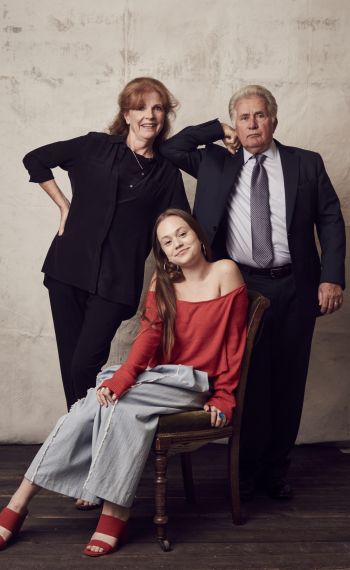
[[290, 167]]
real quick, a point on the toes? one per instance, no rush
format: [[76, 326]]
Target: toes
[[95, 548]]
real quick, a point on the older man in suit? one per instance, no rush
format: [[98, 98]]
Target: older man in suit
[[260, 205]]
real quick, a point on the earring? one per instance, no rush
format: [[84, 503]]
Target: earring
[[165, 267], [204, 251]]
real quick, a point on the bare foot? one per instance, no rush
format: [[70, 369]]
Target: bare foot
[[85, 505], [18, 503], [105, 538], [6, 534], [112, 510]]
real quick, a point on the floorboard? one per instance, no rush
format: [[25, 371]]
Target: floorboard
[[312, 532]]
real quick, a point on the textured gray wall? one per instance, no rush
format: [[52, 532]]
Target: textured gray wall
[[64, 63]]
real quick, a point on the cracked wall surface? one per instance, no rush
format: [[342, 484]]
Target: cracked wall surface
[[63, 64]]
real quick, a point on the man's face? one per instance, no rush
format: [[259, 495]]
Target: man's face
[[253, 125]]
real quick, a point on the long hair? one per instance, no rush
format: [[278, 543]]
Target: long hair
[[167, 274], [131, 97]]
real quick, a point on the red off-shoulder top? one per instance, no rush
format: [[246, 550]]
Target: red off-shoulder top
[[209, 335]]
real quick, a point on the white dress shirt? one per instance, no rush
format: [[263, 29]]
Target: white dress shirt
[[239, 237]]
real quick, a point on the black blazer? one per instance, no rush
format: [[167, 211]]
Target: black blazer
[[92, 164], [311, 202]]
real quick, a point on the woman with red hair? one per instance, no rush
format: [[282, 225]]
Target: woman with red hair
[[95, 265]]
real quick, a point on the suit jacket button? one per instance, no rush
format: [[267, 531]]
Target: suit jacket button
[[215, 228]]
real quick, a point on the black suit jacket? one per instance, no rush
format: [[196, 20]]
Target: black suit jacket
[[311, 202], [92, 162]]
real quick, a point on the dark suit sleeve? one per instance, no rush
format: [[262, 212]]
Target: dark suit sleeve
[[181, 149], [40, 161], [330, 230], [179, 198]]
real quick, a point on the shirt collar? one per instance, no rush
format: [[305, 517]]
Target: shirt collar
[[271, 152]]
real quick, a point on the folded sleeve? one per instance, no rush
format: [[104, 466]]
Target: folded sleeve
[[236, 331], [142, 351], [39, 162], [182, 149]]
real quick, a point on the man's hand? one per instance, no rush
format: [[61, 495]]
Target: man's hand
[[330, 297], [230, 140]]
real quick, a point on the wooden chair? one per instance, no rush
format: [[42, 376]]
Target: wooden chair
[[186, 431]]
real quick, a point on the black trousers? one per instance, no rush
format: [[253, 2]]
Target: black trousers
[[276, 381], [85, 325]]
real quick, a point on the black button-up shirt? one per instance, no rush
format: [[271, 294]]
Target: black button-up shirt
[[107, 236]]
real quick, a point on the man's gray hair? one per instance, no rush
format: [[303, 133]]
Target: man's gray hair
[[254, 91]]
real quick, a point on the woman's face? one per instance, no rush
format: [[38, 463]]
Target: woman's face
[[147, 122], [178, 241]]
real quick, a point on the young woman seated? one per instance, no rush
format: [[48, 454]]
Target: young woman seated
[[186, 356]]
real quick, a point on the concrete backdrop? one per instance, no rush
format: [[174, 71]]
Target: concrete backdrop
[[63, 64]]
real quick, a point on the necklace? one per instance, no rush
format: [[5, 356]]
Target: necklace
[[138, 162]]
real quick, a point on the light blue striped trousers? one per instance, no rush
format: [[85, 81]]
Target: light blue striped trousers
[[97, 453]]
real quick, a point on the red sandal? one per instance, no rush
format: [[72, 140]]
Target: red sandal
[[12, 521], [112, 526]]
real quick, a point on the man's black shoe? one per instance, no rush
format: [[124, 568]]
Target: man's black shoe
[[279, 489]]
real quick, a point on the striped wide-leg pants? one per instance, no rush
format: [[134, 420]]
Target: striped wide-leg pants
[[97, 453]]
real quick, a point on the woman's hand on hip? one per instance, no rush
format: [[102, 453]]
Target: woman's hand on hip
[[218, 418], [56, 194], [105, 396], [64, 215]]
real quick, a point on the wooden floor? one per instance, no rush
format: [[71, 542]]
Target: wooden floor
[[309, 533]]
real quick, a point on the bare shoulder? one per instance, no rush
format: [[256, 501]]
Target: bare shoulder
[[229, 275]]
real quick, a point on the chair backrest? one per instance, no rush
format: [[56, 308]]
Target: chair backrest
[[257, 307]]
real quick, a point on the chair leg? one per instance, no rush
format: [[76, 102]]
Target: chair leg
[[233, 464], [187, 475], [160, 518]]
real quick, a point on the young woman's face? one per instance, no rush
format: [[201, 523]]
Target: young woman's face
[[178, 241]]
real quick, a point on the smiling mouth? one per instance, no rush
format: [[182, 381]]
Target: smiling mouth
[[149, 125], [181, 252]]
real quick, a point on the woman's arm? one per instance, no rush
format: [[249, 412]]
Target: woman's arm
[[39, 163], [60, 200], [225, 383]]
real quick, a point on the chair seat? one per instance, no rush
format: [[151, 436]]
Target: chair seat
[[184, 421], [187, 431]]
